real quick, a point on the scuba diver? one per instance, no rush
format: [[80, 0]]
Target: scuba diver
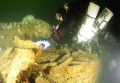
[[67, 21], [90, 25], [69, 16]]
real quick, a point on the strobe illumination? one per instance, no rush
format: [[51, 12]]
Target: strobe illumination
[[90, 25]]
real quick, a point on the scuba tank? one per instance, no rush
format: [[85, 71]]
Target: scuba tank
[[90, 25]]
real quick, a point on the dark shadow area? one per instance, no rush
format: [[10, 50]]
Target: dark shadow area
[[1, 78], [61, 55], [32, 78], [47, 70]]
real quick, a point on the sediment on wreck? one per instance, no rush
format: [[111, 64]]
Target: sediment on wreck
[[29, 28], [24, 62], [49, 66], [15, 61], [84, 68]]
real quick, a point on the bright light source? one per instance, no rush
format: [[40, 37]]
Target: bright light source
[[90, 26], [85, 31]]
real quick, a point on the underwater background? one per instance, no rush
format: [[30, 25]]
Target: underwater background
[[16, 10]]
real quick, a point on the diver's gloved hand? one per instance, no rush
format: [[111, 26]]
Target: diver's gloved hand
[[44, 42]]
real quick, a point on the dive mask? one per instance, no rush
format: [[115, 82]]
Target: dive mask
[[58, 16]]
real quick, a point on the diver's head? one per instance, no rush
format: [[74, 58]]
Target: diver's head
[[60, 14], [59, 17]]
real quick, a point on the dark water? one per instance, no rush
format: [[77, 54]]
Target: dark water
[[16, 10]]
